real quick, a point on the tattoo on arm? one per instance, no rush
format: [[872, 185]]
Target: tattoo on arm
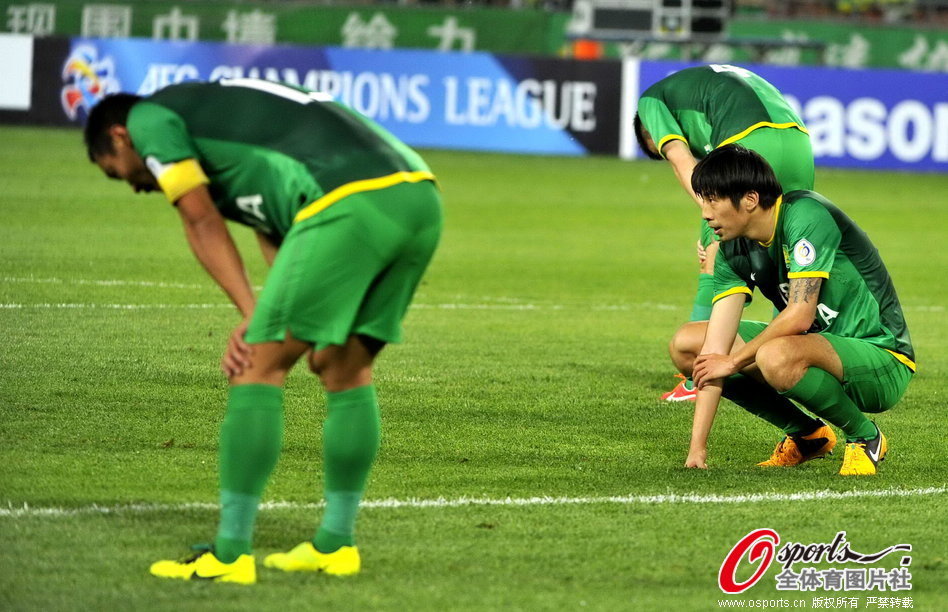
[[805, 289]]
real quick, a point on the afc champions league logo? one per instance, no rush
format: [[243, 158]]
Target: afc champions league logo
[[87, 78], [758, 545]]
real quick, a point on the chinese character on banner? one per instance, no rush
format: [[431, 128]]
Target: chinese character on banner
[[377, 33], [35, 19], [920, 56], [175, 26], [449, 32], [254, 27], [106, 21]]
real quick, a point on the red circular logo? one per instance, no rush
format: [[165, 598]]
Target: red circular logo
[[758, 544]]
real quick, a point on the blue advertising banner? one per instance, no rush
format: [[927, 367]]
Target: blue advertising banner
[[476, 101], [442, 100], [857, 118]]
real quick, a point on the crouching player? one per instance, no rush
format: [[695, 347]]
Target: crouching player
[[839, 346]]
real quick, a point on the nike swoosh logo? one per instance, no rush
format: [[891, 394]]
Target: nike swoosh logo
[[874, 456], [196, 576]]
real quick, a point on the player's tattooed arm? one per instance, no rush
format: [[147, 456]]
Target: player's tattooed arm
[[805, 290]]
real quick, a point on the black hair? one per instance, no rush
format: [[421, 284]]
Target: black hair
[[732, 171], [640, 136], [111, 110]]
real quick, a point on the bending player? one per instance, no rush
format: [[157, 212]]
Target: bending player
[[688, 114]]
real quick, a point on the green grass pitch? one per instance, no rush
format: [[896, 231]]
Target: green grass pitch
[[533, 360]]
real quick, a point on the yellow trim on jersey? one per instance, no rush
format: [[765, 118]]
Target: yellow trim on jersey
[[808, 275], [903, 359], [180, 178], [358, 187], [773, 234], [732, 291], [777, 126], [667, 139]]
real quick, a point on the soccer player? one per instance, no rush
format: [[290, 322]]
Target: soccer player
[[347, 216], [688, 114], [839, 346]]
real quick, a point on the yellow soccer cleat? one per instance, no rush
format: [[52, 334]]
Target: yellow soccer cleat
[[305, 558], [205, 566], [794, 450], [862, 456]]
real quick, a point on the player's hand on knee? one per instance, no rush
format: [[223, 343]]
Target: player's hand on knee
[[237, 354], [710, 367]]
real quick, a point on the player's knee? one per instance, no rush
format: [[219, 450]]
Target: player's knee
[[337, 373], [711, 251], [344, 378], [779, 363], [685, 345]]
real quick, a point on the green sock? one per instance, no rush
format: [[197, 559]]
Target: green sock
[[701, 310], [765, 402], [251, 437], [351, 436], [822, 394]]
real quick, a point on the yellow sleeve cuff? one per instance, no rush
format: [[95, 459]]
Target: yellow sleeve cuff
[[181, 177], [667, 139], [808, 275], [732, 291]]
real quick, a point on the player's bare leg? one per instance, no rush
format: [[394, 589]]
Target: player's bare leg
[[684, 391]]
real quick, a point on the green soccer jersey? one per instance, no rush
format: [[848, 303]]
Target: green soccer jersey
[[710, 106], [814, 239], [269, 153]]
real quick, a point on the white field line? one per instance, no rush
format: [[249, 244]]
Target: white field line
[[447, 306], [418, 306], [78, 306], [27, 511], [488, 302], [101, 283]]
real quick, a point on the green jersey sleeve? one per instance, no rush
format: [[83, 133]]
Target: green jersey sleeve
[[726, 280], [657, 118], [811, 237], [161, 137]]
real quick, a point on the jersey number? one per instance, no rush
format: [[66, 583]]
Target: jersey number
[[826, 313], [251, 205]]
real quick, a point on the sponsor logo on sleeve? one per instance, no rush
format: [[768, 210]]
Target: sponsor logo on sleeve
[[804, 253]]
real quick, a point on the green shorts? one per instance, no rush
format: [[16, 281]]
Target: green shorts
[[788, 152], [351, 269], [872, 376]]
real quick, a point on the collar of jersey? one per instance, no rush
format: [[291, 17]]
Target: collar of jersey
[[773, 234]]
